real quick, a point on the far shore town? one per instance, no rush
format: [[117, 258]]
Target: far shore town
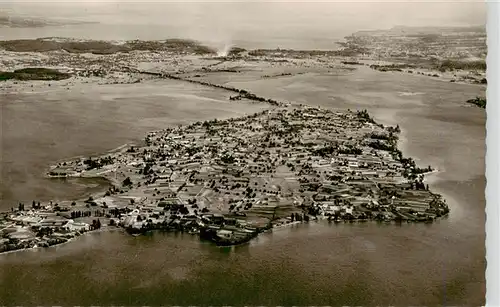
[[229, 180]]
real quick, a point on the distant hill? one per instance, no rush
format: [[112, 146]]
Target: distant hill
[[29, 22], [409, 31], [33, 74], [103, 47]]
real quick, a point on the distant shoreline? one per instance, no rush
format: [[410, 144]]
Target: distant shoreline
[[451, 64], [18, 22]]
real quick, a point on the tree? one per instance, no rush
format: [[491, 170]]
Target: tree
[[127, 182], [184, 210]]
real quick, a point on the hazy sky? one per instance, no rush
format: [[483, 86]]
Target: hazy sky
[[279, 21], [364, 12]]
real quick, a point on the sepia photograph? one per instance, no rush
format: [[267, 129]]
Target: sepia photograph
[[243, 153]]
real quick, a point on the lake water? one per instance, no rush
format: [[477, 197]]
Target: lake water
[[320, 264]]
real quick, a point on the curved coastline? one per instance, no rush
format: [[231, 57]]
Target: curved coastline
[[433, 178]]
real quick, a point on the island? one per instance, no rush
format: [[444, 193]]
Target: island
[[478, 101], [230, 180]]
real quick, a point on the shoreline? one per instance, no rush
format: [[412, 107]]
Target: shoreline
[[433, 179]]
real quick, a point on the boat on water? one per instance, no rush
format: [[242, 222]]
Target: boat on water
[[136, 231], [207, 233], [227, 237], [233, 238]]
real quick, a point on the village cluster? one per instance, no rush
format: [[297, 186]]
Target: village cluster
[[421, 42], [229, 180]]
